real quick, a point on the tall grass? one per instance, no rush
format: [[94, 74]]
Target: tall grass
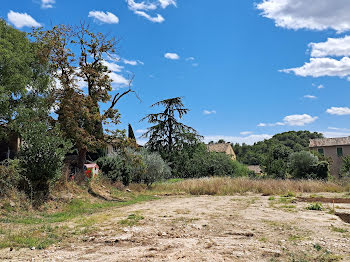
[[230, 186]]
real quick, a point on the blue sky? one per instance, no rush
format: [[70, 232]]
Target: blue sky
[[247, 69]]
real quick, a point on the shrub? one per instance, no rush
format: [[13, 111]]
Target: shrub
[[41, 156], [196, 162], [345, 170], [315, 206], [156, 168], [129, 165], [301, 164], [9, 177]]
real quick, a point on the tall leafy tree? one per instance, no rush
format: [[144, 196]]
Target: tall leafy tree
[[24, 79], [168, 134], [76, 54]]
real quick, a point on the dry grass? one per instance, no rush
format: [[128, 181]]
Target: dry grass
[[230, 186]]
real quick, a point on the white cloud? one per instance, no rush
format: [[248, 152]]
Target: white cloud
[[245, 133], [154, 19], [332, 47], [271, 124], [45, 4], [172, 56], [103, 17], [340, 111], [208, 112], [308, 14], [339, 129], [166, 3], [324, 66], [238, 139], [310, 96], [299, 120], [22, 20], [292, 120], [329, 134], [195, 64], [191, 58], [113, 66], [320, 86], [141, 6], [118, 80], [133, 62]]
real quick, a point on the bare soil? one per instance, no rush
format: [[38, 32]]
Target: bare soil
[[208, 228]]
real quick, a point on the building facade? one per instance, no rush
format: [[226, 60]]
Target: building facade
[[334, 148], [222, 148]]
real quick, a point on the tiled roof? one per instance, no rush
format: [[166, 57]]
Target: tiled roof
[[340, 141], [220, 148]]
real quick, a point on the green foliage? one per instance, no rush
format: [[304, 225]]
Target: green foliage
[[345, 170], [306, 165], [275, 162], [257, 153], [167, 134], [315, 206], [302, 164], [24, 81], [195, 162], [9, 177], [42, 154], [131, 134], [131, 220], [129, 165]]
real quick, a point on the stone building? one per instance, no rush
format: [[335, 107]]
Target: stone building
[[334, 148], [222, 148]]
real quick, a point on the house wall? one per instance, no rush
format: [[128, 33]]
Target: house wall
[[229, 151], [337, 162]]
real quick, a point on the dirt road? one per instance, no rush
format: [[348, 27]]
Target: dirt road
[[207, 228]]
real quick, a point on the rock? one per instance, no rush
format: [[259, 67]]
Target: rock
[[12, 204], [128, 190], [32, 248]]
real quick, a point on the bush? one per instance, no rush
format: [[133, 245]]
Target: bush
[[345, 170], [315, 206], [302, 164], [196, 162], [129, 165], [41, 156], [9, 177], [306, 165]]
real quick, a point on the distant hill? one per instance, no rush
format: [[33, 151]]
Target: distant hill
[[254, 154]]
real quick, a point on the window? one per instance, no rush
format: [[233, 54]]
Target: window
[[321, 151], [340, 151]]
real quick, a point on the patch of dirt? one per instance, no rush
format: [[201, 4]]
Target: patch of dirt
[[206, 228], [325, 200]]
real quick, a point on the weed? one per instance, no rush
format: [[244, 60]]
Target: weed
[[271, 198], [317, 247], [338, 229], [315, 206], [75, 208], [289, 194], [131, 220]]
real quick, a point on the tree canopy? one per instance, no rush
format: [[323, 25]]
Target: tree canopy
[[167, 133]]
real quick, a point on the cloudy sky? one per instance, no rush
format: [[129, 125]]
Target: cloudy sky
[[247, 69]]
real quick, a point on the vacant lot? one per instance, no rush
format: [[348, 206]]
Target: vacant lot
[[206, 228]]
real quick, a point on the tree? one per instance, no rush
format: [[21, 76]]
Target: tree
[[131, 134], [24, 79], [75, 54], [302, 164], [168, 134], [221, 141]]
